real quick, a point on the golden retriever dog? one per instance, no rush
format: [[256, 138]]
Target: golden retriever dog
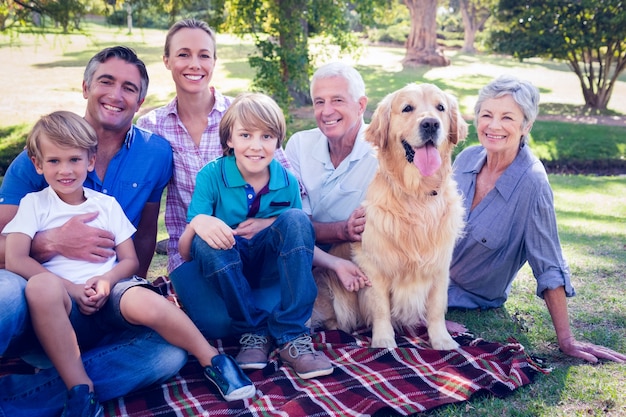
[[413, 217]]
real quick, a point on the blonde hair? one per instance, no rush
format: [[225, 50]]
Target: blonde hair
[[65, 129], [254, 110], [189, 24]]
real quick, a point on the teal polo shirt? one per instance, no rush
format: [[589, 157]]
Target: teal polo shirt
[[222, 192]]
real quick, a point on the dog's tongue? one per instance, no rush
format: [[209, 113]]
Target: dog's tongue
[[427, 159]]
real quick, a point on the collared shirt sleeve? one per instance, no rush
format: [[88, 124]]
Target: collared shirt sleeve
[[20, 179], [543, 245], [205, 196], [292, 152]]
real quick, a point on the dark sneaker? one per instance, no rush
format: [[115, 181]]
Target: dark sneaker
[[82, 403], [161, 247], [229, 379], [301, 356], [254, 351]]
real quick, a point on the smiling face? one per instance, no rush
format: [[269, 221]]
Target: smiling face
[[64, 168], [113, 97], [254, 150], [191, 59], [500, 125], [337, 113]]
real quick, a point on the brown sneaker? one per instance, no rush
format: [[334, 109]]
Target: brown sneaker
[[301, 356], [254, 351]]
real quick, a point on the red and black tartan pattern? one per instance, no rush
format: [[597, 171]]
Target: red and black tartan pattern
[[403, 381]]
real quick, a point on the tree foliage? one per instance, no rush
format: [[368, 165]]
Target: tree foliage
[[12, 14], [63, 12], [589, 34], [281, 29]]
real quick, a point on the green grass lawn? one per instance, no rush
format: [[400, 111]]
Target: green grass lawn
[[45, 74]]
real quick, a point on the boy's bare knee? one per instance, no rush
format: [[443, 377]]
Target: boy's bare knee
[[139, 305], [44, 285]]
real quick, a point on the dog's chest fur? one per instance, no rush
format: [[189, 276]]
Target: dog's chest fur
[[426, 221]]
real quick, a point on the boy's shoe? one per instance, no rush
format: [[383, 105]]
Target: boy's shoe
[[254, 351], [301, 356], [82, 403], [229, 379]]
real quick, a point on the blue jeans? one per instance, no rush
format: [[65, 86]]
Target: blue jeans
[[205, 306], [14, 317], [121, 362], [283, 253]]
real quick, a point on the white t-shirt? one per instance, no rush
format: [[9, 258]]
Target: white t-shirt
[[330, 194], [44, 210]]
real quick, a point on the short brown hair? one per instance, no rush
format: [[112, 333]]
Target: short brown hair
[[65, 129], [127, 55], [255, 110]]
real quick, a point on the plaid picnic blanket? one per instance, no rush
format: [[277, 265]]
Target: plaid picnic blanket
[[402, 381]]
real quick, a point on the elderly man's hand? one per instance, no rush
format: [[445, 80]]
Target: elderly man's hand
[[355, 225]]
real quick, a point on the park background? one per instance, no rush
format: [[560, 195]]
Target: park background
[[42, 72]]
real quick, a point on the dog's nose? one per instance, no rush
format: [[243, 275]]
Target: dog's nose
[[430, 125]]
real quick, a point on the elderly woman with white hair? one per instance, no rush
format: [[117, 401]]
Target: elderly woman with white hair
[[510, 216]]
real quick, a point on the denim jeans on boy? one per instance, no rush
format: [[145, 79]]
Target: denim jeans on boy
[[282, 252], [206, 307], [121, 363]]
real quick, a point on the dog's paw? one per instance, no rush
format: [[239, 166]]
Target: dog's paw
[[384, 343], [444, 344]]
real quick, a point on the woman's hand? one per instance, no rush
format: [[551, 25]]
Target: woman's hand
[[590, 352]]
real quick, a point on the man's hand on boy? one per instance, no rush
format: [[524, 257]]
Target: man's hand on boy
[[75, 240]]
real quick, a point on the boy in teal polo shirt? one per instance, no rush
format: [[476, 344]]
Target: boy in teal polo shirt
[[247, 230]]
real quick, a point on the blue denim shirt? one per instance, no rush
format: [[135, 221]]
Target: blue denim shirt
[[137, 174], [515, 223]]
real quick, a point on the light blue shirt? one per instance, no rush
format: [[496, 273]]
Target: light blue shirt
[[330, 194], [222, 192], [515, 223], [136, 175]]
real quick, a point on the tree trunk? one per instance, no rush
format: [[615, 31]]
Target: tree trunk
[[129, 17], [469, 28], [474, 14], [597, 74], [421, 46]]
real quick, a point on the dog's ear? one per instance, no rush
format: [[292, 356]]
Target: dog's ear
[[458, 126], [378, 130]]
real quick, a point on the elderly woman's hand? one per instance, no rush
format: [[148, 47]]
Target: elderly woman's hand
[[590, 352]]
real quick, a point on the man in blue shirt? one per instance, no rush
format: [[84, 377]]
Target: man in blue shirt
[[132, 165]]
